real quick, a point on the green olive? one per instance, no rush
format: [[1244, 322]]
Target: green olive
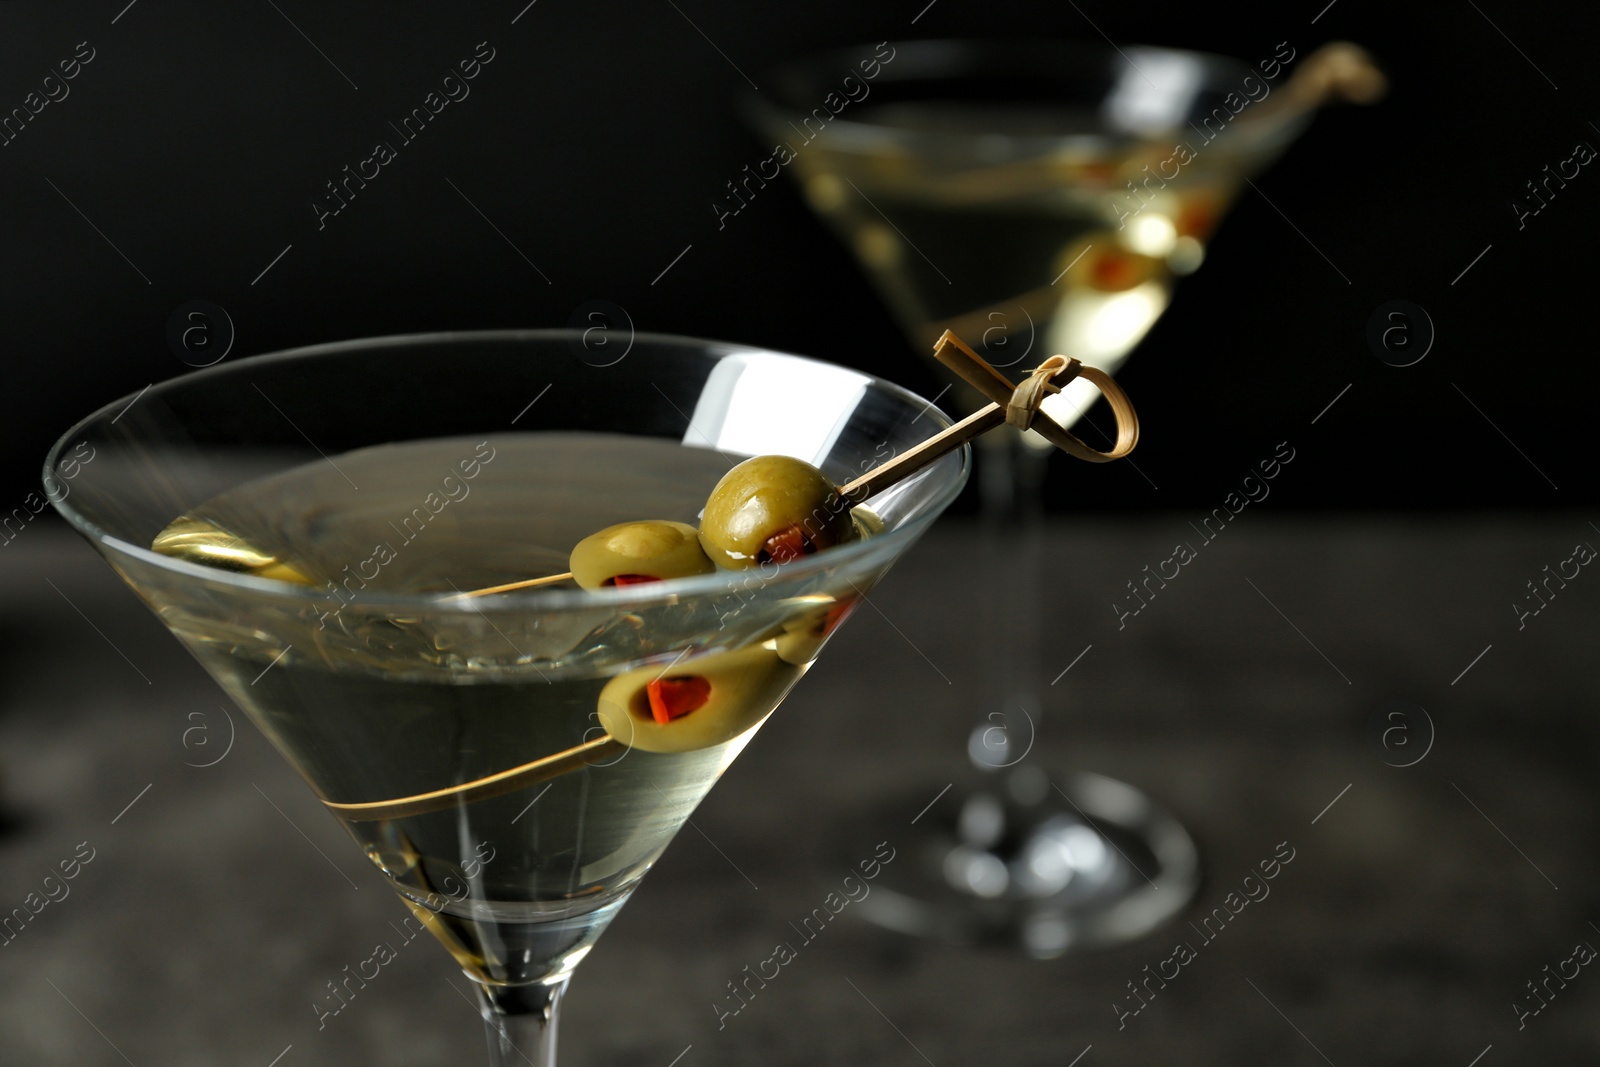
[[773, 509], [633, 552], [868, 522], [695, 703], [203, 541], [804, 635]]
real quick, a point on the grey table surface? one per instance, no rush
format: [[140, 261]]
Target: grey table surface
[[221, 899]]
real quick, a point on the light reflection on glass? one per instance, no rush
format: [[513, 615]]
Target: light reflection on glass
[[774, 406]]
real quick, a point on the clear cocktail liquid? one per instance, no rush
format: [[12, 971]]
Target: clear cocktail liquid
[[372, 706]]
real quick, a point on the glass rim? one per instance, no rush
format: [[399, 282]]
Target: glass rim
[[539, 599], [856, 131]]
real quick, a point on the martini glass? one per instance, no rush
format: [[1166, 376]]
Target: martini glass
[[486, 753], [1035, 198]]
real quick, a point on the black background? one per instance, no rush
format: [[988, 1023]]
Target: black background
[[597, 139]]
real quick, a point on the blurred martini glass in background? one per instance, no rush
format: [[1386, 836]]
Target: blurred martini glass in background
[[1038, 198], [511, 764]]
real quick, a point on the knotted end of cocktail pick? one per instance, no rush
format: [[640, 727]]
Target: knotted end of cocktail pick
[[1048, 377], [1012, 403]]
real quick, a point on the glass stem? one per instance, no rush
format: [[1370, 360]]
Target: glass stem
[[1011, 477], [521, 1023]]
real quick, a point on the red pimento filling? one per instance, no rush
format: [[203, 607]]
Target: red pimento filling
[[836, 614], [673, 698], [1114, 271], [1196, 219], [785, 545], [631, 579]]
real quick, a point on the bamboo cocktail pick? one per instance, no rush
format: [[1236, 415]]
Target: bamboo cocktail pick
[[598, 750], [1011, 402]]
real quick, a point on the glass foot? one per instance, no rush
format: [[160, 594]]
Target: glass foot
[[1048, 864]]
